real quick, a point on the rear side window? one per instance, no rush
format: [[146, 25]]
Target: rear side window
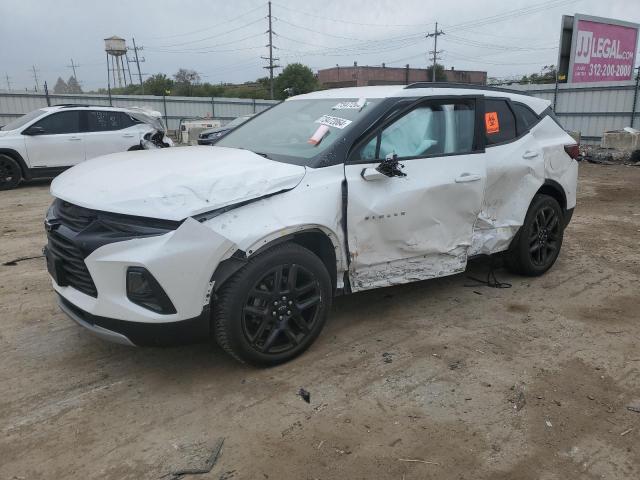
[[525, 117], [61, 122], [427, 130], [500, 123], [104, 121]]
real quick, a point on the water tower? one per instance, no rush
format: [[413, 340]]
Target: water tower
[[116, 49]]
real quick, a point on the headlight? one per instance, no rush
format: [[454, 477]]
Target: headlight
[[144, 290]]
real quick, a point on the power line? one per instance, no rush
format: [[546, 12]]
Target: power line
[[270, 58], [231, 20], [519, 12], [307, 14], [202, 48], [436, 33], [220, 34]]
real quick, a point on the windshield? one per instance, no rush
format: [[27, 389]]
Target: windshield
[[23, 120], [298, 129]]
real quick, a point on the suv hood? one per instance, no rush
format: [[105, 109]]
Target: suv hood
[[173, 183]]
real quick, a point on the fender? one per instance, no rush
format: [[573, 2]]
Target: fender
[[231, 265]]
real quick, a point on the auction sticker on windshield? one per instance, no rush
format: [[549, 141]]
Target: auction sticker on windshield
[[336, 122], [351, 105]]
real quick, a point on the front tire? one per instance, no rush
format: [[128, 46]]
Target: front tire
[[10, 174], [274, 307], [537, 245]]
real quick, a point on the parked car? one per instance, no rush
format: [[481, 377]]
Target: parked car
[[327, 193], [45, 142], [213, 135]]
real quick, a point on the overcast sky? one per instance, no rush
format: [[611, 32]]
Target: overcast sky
[[223, 40]]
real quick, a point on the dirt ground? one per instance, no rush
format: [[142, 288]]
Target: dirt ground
[[531, 382]]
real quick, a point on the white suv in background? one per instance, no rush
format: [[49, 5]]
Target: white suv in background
[[326, 193], [44, 142]]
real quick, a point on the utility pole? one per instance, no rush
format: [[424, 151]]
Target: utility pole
[[8, 81], [435, 51], [138, 60], [35, 75], [73, 67], [270, 58]]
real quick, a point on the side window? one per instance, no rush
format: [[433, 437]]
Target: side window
[[525, 117], [61, 122], [126, 120], [104, 121], [429, 129], [500, 123]]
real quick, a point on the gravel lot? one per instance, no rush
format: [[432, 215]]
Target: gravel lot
[[531, 382]]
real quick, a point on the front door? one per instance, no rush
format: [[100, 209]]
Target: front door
[[60, 143], [417, 226]]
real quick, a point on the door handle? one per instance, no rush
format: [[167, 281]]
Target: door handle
[[468, 177], [74, 139], [530, 154], [128, 135]]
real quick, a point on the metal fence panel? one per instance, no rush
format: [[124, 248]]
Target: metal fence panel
[[590, 110], [15, 104]]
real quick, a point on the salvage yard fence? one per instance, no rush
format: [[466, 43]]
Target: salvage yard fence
[[591, 109], [173, 109], [588, 109]]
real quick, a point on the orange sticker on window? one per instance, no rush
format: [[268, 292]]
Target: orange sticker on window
[[491, 122]]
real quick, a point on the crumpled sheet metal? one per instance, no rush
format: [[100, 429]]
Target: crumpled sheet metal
[[173, 183]]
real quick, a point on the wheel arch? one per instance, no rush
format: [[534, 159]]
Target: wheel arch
[[554, 190], [18, 158], [318, 239]]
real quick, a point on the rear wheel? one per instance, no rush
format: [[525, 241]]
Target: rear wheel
[[10, 174], [273, 308], [537, 245]]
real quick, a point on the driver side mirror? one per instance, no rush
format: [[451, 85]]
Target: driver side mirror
[[34, 131], [389, 167]]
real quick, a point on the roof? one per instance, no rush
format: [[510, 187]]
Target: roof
[[426, 90]]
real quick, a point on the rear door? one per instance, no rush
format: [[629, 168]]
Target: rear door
[[61, 143], [515, 171], [418, 226], [110, 131]]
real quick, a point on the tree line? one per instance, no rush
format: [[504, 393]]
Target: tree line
[[294, 79]]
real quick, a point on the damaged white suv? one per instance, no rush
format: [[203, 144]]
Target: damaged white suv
[[326, 193]]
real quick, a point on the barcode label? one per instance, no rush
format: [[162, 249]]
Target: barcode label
[[336, 122]]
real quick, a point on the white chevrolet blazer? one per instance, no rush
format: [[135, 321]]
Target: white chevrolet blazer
[[327, 193]]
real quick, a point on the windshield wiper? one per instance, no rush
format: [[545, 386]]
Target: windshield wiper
[[262, 154]]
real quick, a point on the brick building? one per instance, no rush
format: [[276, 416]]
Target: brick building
[[336, 77]]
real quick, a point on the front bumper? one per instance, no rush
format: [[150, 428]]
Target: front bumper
[[124, 332]]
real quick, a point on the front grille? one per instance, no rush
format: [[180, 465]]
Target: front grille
[[75, 217], [75, 273]]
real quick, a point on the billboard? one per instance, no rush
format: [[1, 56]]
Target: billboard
[[595, 49]]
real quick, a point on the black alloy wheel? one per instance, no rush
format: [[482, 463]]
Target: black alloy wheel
[[281, 309], [544, 236], [10, 174], [274, 307], [537, 245]]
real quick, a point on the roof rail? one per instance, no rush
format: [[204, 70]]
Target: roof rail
[[73, 105], [468, 86]]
